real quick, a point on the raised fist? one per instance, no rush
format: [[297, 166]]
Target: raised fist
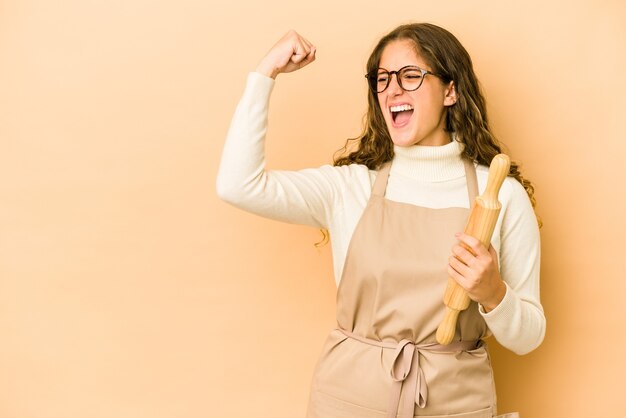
[[290, 53]]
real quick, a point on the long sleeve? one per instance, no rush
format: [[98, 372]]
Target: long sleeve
[[302, 197], [518, 322]]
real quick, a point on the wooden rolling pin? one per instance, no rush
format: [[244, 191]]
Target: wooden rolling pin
[[480, 225]]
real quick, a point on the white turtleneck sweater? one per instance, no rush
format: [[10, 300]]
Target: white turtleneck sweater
[[335, 197]]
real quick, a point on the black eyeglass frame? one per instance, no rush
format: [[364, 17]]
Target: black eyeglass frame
[[372, 77]]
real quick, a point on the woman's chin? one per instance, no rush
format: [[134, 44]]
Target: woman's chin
[[402, 136], [403, 141]]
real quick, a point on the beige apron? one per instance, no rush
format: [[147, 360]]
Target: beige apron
[[383, 359]]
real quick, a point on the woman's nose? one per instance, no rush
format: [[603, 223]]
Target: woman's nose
[[394, 85]]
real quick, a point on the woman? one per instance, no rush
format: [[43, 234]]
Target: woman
[[395, 209]]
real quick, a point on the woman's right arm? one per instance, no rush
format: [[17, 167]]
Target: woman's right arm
[[302, 197]]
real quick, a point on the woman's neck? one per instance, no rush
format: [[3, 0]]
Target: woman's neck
[[429, 163]]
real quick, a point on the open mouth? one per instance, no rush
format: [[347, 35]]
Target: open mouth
[[401, 114]]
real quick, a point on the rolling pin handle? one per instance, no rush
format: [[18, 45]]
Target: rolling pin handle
[[445, 332]]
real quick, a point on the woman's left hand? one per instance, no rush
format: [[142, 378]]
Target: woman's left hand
[[476, 271]]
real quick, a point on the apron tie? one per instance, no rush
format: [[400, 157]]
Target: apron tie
[[406, 365], [406, 370]]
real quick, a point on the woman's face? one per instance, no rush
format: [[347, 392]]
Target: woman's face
[[424, 122]]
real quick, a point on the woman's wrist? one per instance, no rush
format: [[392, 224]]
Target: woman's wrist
[[497, 297], [267, 70]]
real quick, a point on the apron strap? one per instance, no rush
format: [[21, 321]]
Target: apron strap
[[472, 182], [380, 184]]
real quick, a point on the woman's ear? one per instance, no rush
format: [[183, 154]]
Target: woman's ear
[[450, 94]]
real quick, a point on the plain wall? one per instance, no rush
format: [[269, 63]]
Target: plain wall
[[127, 289]]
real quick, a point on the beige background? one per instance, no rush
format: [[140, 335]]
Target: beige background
[[127, 289]]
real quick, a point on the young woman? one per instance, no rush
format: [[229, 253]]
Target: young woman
[[395, 209]]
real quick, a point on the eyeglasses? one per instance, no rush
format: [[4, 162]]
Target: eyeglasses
[[410, 78]]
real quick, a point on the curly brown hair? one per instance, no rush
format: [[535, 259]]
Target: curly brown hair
[[467, 118]]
